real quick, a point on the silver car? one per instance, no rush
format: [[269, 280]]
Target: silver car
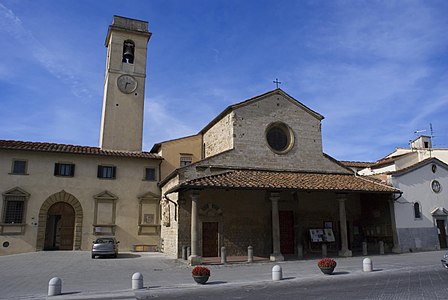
[[105, 246]]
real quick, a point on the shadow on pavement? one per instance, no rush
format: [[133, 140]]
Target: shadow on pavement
[[215, 282], [288, 278], [70, 293], [341, 273], [128, 255]]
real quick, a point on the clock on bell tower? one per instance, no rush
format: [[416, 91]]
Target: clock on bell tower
[[124, 85]]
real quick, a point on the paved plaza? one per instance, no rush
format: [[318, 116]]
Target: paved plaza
[[26, 276]]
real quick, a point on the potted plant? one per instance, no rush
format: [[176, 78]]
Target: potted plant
[[200, 274], [327, 265]]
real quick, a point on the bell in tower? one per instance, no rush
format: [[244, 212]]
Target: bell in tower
[[128, 52]]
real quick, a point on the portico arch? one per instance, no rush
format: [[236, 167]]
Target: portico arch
[[63, 197]]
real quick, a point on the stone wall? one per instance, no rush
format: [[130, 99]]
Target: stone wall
[[169, 234], [219, 137], [250, 148], [418, 239]]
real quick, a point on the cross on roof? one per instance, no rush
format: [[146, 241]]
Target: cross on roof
[[277, 82]]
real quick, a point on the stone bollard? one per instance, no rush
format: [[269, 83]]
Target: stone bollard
[[137, 281], [223, 255], [299, 251], [364, 248], [324, 250], [277, 273], [367, 265], [381, 247], [54, 286], [188, 251], [250, 254], [184, 253]]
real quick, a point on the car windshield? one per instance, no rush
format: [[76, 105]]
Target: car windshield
[[104, 241]]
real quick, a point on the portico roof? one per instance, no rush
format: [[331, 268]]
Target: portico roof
[[281, 180]]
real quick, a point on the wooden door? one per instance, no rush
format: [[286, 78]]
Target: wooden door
[[442, 233], [210, 239], [286, 231], [60, 227]]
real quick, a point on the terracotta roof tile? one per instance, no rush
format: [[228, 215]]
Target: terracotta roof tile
[[249, 179], [356, 164], [63, 148]]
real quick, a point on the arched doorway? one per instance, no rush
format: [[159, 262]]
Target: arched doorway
[[60, 227], [66, 206]]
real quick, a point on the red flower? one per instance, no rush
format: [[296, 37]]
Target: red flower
[[326, 263], [200, 271]]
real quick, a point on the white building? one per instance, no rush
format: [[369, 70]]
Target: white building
[[421, 173]]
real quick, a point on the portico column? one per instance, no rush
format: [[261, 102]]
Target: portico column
[[343, 226], [396, 247], [194, 258], [276, 255]]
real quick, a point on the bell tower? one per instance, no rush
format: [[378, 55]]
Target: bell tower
[[124, 85]]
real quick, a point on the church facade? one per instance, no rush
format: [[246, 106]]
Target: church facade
[[264, 181]]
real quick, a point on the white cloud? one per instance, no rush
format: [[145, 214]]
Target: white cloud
[[54, 61]]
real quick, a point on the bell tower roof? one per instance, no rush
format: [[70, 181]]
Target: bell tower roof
[[127, 24]]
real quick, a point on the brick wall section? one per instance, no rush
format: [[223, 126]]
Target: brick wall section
[[219, 138]]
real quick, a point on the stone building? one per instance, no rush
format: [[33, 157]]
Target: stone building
[[264, 181], [59, 196]]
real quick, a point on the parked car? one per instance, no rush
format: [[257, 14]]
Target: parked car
[[105, 246], [445, 261]]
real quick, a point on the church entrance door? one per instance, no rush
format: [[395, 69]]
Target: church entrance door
[[210, 239], [442, 233], [286, 231], [60, 227]]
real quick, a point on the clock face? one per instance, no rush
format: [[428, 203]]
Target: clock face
[[435, 185], [127, 84]]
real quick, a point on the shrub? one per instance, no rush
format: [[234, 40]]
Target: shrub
[[326, 263], [200, 271]]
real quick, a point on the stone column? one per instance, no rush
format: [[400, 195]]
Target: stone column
[[396, 247], [276, 255], [343, 226], [194, 258]]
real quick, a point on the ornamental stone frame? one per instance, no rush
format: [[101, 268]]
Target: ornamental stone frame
[[61, 196]]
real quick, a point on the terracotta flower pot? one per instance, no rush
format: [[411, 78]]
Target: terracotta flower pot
[[327, 270], [201, 279]]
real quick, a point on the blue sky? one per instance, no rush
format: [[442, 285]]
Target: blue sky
[[377, 70]]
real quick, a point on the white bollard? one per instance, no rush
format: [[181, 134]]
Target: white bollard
[[324, 250], [277, 273], [223, 255], [250, 254], [381, 247], [54, 286], [299, 251], [137, 281], [364, 248], [367, 265]]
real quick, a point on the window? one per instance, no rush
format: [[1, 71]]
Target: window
[[279, 137], [435, 185], [150, 174], [19, 167], [417, 213], [107, 172], [14, 210], [62, 169], [185, 159]]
